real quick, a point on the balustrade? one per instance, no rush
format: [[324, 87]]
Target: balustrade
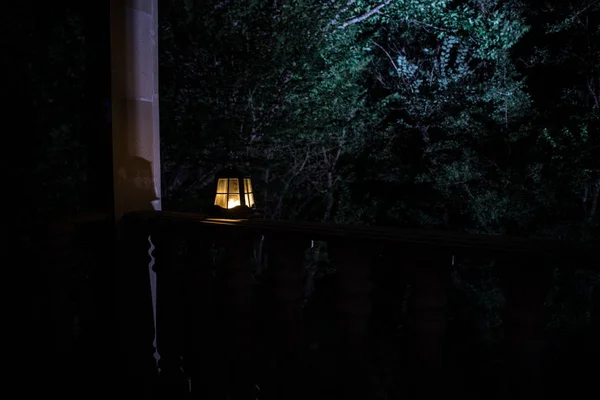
[[227, 329]]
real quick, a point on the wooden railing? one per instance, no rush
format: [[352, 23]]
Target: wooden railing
[[225, 331]]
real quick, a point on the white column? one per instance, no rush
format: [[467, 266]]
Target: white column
[[135, 121]]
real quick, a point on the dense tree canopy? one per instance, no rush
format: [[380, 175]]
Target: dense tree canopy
[[477, 115], [415, 113], [564, 170]]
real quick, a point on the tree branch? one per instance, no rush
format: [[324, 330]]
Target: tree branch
[[593, 93], [364, 16], [388, 55], [343, 10]]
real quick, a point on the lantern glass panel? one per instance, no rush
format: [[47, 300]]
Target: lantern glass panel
[[221, 200], [250, 199], [247, 185], [233, 201], [222, 185], [234, 186]]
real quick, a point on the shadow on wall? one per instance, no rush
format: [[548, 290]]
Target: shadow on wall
[[136, 182]]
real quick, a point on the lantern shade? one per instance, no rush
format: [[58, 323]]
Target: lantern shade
[[248, 193], [234, 190]]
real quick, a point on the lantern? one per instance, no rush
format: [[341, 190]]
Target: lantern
[[234, 190]]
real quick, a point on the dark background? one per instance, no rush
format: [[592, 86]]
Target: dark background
[[58, 161]]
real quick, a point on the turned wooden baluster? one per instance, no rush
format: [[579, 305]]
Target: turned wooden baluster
[[239, 316], [286, 277], [134, 306], [430, 276], [169, 315], [353, 263], [525, 283]]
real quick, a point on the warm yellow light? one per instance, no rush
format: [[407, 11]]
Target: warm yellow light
[[234, 192], [233, 203]]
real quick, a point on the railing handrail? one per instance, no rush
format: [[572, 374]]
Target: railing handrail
[[455, 243]]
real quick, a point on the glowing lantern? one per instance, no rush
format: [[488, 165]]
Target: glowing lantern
[[234, 190]]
